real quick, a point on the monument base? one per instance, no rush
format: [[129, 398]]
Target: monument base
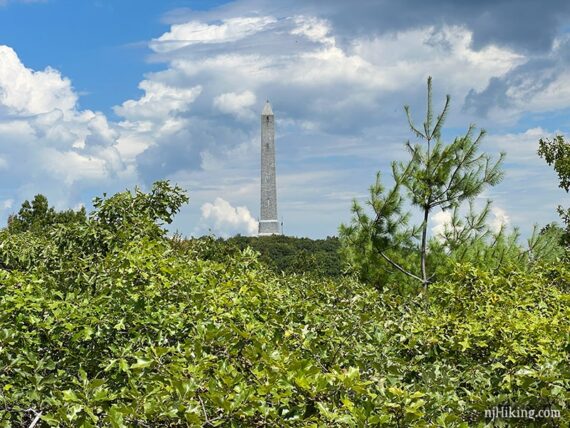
[[269, 227]]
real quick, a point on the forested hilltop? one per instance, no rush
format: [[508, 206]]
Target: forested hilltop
[[281, 254], [106, 320]]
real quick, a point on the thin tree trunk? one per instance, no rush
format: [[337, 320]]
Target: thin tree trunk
[[426, 214], [424, 245]]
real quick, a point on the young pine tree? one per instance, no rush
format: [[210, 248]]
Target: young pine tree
[[437, 176]]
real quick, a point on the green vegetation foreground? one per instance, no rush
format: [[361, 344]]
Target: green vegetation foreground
[[103, 322]]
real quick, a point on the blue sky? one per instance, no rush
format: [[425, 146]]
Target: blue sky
[[98, 96], [100, 45]]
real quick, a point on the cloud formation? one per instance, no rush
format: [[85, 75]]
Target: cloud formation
[[28, 92], [49, 144], [237, 104], [440, 221], [317, 83], [493, 22], [540, 84], [226, 220], [194, 32]]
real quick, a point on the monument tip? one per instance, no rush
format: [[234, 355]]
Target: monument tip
[[267, 110]]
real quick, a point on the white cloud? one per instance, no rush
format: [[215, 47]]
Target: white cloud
[[440, 220], [155, 115], [71, 166], [540, 85], [224, 219], [194, 32], [54, 147], [298, 62], [405, 58], [500, 219], [306, 62], [313, 28], [159, 101], [237, 104], [24, 91], [389, 62]]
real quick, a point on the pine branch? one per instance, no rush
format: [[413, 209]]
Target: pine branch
[[400, 268], [410, 122], [441, 118], [459, 166], [429, 113]]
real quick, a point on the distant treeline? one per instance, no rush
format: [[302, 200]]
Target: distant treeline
[[285, 254]]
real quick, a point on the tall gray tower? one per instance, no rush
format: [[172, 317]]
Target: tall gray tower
[[268, 223]]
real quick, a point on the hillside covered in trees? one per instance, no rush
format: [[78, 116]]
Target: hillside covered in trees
[[281, 254]]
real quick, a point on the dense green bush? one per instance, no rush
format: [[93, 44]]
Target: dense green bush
[[107, 323]]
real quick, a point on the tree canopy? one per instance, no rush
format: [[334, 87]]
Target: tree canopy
[[556, 152], [38, 215]]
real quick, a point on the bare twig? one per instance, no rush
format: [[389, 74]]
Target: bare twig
[[36, 419], [204, 410]]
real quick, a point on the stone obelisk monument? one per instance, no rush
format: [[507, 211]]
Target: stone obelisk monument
[[268, 223]]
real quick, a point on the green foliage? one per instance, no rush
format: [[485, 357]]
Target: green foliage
[[560, 235], [286, 254], [379, 248], [37, 216], [292, 255], [110, 323], [470, 240], [443, 176], [556, 152], [140, 213], [498, 336]]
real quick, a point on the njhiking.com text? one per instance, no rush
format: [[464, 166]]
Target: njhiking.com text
[[507, 412]]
